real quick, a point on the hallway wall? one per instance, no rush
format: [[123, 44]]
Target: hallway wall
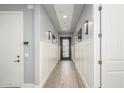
[[83, 57], [48, 59], [48, 54]]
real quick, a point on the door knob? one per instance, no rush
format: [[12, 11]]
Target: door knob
[[17, 61], [18, 56]]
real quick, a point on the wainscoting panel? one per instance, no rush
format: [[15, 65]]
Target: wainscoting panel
[[49, 56], [84, 61]]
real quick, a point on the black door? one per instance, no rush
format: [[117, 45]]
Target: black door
[[65, 48]]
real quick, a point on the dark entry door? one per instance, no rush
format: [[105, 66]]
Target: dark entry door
[[65, 46]]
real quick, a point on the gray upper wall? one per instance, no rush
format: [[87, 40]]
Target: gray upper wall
[[46, 25], [87, 14], [28, 36], [65, 35], [42, 24]]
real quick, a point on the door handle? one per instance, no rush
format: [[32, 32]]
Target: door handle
[[17, 61]]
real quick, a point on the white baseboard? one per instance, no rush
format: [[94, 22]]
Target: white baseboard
[[45, 80], [37, 86], [83, 79], [31, 85], [28, 85], [10, 86], [84, 82], [24, 85]]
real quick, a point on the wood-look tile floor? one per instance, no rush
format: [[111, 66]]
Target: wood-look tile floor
[[64, 75]]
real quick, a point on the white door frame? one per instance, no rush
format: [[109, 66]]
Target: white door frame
[[96, 20], [22, 51], [37, 80]]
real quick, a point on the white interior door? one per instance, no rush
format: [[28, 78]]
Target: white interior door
[[11, 28], [113, 46]]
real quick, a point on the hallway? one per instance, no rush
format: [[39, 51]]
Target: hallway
[[37, 41], [64, 75]]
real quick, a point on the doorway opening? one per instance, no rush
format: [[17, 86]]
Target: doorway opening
[[65, 48]]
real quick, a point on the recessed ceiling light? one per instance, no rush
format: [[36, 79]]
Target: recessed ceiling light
[[64, 16], [30, 6]]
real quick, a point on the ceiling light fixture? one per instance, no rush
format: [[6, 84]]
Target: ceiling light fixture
[[64, 16], [30, 6]]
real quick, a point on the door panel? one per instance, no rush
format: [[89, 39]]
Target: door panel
[[65, 44], [10, 49], [112, 46]]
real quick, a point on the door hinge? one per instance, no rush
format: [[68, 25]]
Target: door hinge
[[100, 35], [100, 62], [99, 8]]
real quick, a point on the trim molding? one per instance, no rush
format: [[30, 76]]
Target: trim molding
[[45, 80], [28, 85], [84, 82], [83, 79], [72, 61]]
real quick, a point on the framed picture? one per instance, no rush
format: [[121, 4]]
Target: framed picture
[[86, 26], [80, 34]]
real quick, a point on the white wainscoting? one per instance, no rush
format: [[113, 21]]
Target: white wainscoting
[[84, 61], [48, 59], [72, 52], [28, 85]]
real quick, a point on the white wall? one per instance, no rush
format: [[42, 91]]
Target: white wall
[[84, 50], [46, 51], [48, 60], [96, 23]]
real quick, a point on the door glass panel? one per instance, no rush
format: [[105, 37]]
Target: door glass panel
[[65, 44]]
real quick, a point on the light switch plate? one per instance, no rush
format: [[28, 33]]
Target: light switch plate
[[26, 55]]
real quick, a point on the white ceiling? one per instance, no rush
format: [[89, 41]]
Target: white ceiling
[[64, 16]]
